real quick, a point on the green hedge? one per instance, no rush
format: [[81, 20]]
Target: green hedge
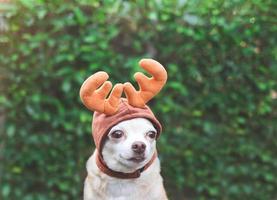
[[218, 108]]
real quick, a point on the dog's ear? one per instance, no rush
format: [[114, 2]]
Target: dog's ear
[[148, 87], [94, 98]]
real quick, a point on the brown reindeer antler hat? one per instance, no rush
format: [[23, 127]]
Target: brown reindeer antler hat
[[114, 109]]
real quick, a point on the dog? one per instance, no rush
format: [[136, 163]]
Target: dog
[[124, 165], [130, 145]]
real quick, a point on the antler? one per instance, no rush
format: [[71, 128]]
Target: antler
[[95, 99], [149, 87]]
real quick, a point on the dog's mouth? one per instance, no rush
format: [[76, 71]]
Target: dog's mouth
[[137, 159]]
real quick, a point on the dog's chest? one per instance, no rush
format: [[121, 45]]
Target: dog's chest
[[148, 186], [125, 188]]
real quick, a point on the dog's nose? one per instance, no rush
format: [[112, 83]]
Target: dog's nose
[[138, 147]]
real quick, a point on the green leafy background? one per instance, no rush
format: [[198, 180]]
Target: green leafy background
[[218, 108]]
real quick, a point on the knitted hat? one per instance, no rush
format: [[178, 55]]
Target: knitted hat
[[111, 111]]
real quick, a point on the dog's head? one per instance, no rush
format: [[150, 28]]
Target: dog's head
[[123, 128], [130, 145]]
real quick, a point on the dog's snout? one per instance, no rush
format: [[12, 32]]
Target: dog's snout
[[138, 147]]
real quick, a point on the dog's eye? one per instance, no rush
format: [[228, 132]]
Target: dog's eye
[[117, 134], [152, 134]]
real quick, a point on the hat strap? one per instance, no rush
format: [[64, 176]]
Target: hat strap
[[104, 168]]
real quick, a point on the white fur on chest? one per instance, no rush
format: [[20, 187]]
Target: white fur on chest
[[99, 186]]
